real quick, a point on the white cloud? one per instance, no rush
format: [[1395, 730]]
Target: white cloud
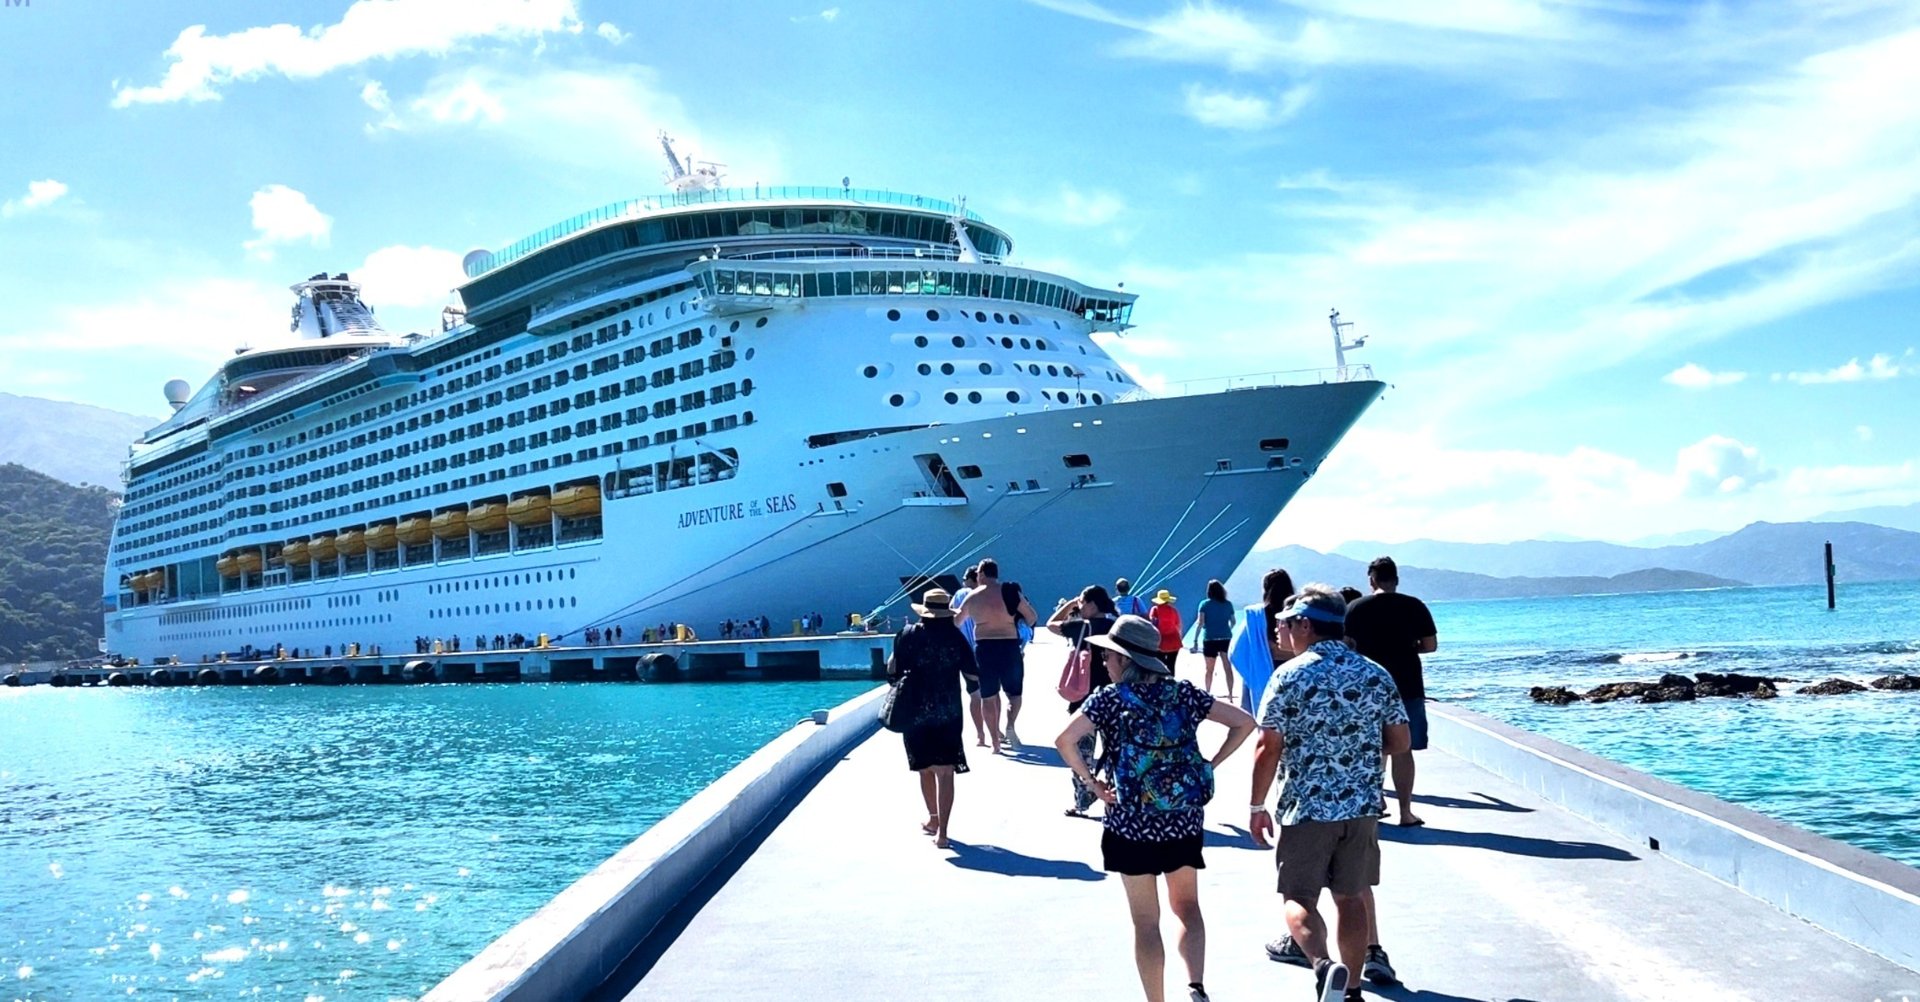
[[542, 114], [201, 319], [1721, 465], [374, 95], [1071, 207], [1863, 433], [1881, 366], [409, 277], [1384, 484], [1222, 109], [200, 65], [830, 15], [611, 32], [282, 215], [1692, 376], [40, 194]]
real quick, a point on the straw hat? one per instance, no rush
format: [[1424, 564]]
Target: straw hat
[[1164, 598], [934, 604], [1138, 639]]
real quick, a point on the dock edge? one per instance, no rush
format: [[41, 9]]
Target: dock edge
[[1862, 897], [575, 942]]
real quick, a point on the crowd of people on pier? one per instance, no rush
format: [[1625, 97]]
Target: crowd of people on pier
[[1330, 689]]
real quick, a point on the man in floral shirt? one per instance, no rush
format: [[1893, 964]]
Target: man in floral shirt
[[1327, 718]]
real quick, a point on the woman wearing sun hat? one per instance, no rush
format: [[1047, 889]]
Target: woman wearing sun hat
[[1166, 618], [929, 659], [1156, 789]]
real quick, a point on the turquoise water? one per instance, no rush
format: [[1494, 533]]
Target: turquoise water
[[330, 843], [1837, 765]]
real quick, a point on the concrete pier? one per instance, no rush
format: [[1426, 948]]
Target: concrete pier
[[792, 657], [1503, 895]]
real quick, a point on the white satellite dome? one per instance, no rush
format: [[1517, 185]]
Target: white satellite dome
[[178, 392]]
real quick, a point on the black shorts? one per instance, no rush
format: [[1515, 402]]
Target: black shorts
[[1213, 648], [1001, 667], [1119, 854], [1417, 722]]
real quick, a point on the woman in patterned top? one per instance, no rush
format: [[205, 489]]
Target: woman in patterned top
[[1155, 791]]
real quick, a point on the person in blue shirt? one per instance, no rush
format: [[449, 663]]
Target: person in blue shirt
[[1125, 603], [1251, 651], [1216, 618]]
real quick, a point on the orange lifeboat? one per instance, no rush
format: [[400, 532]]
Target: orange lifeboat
[[578, 501], [351, 542], [531, 509], [381, 536], [450, 524], [228, 566], [294, 552], [249, 562], [322, 548], [414, 530], [488, 516]]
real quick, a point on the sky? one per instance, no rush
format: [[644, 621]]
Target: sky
[[1629, 268]]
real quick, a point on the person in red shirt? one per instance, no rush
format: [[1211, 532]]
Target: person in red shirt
[[1167, 619]]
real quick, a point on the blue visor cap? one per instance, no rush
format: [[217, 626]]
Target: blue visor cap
[[1303, 609]]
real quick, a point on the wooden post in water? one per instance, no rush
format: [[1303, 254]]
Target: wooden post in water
[[1829, 573]]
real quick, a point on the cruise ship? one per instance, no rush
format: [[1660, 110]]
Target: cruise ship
[[712, 404]]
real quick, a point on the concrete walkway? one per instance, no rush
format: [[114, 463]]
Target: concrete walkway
[[1499, 897]]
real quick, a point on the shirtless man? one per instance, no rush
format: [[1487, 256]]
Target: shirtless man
[[996, 649]]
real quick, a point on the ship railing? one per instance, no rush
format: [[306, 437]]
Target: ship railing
[[844, 252], [1251, 380], [636, 207]]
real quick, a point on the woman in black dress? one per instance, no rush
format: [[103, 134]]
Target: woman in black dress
[[929, 658], [1089, 615]]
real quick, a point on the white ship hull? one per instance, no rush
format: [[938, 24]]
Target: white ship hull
[[820, 431]]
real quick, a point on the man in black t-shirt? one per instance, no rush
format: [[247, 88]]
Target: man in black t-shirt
[[1394, 630]]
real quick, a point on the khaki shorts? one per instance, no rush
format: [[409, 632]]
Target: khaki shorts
[[1342, 856]]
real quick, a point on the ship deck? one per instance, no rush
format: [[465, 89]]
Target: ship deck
[[1501, 896]]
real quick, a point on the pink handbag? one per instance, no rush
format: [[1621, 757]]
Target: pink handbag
[[1076, 677]]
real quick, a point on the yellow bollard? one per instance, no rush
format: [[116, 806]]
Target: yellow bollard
[[796, 629], [439, 647], [542, 644], [353, 650]]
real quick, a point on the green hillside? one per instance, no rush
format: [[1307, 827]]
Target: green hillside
[[53, 547]]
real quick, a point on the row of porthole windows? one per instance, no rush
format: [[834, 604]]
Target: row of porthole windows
[[1013, 397], [499, 608], [979, 316], [735, 326], [503, 581], [961, 341], [316, 624]]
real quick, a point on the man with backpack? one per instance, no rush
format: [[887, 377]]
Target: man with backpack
[[996, 612], [1328, 718], [1125, 603]]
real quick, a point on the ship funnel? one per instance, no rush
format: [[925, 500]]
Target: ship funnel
[[178, 392]]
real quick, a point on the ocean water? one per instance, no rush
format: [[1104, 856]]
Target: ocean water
[[330, 843], [1837, 765]]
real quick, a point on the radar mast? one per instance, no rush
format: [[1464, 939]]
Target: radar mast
[[1340, 343], [690, 174]]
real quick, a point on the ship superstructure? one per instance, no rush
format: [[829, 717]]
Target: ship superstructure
[[717, 403]]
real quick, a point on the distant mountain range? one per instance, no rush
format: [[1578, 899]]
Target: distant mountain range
[[1763, 553], [71, 442], [1905, 516]]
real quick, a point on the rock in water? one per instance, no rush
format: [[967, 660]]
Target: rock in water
[[1833, 687], [1557, 695], [1710, 684], [1897, 683], [1670, 680], [1668, 694], [1611, 691], [1765, 690]]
